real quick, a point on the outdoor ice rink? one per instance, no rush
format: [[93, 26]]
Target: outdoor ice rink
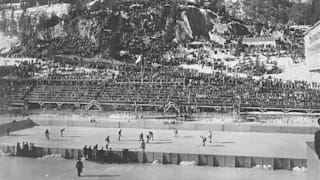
[[224, 143]]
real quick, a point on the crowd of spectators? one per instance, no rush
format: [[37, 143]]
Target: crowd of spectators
[[145, 29], [25, 149], [97, 155], [166, 84]]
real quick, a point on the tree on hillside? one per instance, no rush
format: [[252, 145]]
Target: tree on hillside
[[274, 11], [300, 13], [217, 6], [315, 11]]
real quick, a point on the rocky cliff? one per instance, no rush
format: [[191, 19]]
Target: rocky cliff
[[97, 28]]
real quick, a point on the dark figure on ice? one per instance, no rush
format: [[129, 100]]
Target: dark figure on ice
[[8, 131], [107, 139], [151, 135], [79, 167], [119, 134], [61, 131], [148, 138], [143, 145], [175, 132], [47, 135], [204, 139], [141, 137], [317, 141], [210, 137]]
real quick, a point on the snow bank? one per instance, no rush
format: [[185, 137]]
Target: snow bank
[[155, 162], [299, 169], [4, 153], [52, 157], [58, 9], [187, 163], [263, 167]]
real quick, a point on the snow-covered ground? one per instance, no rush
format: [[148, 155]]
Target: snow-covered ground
[[58, 9], [298, 72], [6, 42]]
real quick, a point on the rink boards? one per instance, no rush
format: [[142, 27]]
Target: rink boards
[[125, 156]]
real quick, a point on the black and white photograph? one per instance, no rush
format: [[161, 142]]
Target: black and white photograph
[[160, 89]]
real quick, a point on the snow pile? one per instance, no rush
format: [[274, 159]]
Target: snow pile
[[4, 153], [52, 157], [156, 162], [58, 9], [299, 169], [187, 163], [264, 167]]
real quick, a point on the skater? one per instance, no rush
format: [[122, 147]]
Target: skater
[[8, 131], [151, 135], [47, 134], [175, 132], [204, 139], [119, 134], [79, 166], [61, 132], [148, 138], [210, 137], [107, 139], [143, 145], [141, 137]]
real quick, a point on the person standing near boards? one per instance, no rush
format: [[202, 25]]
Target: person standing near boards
[[79, 166], [317, 141]]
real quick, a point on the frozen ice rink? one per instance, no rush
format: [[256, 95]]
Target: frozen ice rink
[[224, 143]]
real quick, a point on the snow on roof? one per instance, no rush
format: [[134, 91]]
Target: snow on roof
[[59, 9]]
